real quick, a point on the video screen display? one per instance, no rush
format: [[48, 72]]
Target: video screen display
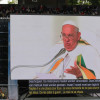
[[40, 49], [8, 1], [57, 54]]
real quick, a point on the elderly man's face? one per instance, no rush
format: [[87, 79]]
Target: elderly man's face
[[70, 37]]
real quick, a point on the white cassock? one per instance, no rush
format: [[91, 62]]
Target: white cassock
[[89, 54]]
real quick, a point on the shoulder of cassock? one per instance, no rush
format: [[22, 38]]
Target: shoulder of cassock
[[91, 58], [90, 55]]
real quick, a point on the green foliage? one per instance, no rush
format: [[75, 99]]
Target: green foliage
[[13, 2], [95, 2], [69, 2], [75, 2], [85, 3]]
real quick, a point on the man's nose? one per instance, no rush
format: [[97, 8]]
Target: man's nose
[[67, 39]]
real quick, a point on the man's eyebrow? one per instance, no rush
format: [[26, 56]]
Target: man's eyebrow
[[63, 33], [69, 33]]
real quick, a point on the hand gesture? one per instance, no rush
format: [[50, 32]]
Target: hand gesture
[[74, 70]]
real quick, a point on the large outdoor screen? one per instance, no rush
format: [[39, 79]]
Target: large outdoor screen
[[58, 54], [38, 44], [8, 1]]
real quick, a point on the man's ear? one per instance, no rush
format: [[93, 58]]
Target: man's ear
[[79, 35]]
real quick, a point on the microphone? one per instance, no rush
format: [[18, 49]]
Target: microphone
[[62, 51]]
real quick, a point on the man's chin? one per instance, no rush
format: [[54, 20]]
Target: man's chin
[[69, 49]]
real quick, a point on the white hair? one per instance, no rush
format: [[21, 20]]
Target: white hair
[[71, 23]]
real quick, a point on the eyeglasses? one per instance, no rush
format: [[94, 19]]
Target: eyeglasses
[[69, 36]]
